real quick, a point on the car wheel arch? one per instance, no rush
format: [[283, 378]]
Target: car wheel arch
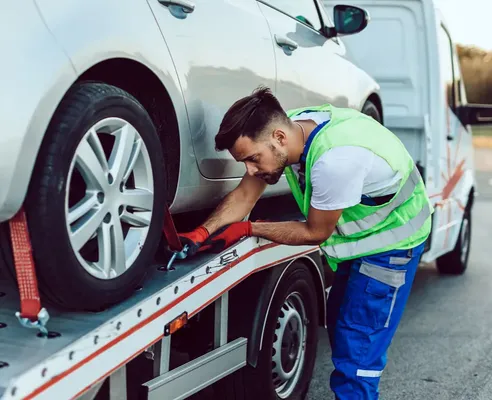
[[376, 100], [141, 82]]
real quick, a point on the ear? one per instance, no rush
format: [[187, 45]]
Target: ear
[[280, 136]]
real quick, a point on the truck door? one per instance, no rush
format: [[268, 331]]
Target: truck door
[[456, 161], [222, 51], [310, 68]]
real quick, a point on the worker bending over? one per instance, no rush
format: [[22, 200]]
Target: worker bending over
[[365, 204]]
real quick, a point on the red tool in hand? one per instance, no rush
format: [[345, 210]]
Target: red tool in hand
[[227, 236], [194, 239]]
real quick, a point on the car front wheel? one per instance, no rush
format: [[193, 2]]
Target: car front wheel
[[94, 205]]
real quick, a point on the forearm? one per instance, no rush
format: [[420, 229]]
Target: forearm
[[233, 208], [292, 233]]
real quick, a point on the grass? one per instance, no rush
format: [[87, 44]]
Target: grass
[[485, 130]]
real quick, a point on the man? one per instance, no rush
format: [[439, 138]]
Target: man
[[365, 204]]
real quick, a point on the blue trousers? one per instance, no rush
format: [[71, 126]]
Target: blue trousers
[[364, 308]]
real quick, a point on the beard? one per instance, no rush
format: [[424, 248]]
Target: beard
[[273, 177]]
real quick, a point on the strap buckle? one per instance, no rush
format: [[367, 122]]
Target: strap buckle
[[180, 255], [39, 323]]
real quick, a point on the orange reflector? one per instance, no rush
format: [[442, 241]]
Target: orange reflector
[[176, 324]]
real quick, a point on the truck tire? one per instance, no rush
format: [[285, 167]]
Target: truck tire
[[94, 205], [370, 109], [290, 322], [456, 261]]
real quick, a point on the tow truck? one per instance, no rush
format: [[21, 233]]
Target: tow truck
[[243, 324]]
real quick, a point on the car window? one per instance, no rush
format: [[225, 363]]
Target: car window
[[303, 10]]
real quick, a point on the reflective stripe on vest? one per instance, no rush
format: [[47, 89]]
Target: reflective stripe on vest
[[379, 240], [349, 228]]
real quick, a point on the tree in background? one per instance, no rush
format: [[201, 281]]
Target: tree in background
[[476, 68]]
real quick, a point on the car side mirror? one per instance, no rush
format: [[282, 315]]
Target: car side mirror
[[475, 114], [348, 20]]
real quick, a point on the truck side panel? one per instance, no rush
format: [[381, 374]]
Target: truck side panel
[[406, 50]]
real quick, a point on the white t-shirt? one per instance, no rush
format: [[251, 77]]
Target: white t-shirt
[[343, 174]]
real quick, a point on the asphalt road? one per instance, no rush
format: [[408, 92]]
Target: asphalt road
[[443, 347]]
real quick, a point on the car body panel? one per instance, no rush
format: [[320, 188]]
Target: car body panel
[[35, 75], [63, 40], [214, 76]]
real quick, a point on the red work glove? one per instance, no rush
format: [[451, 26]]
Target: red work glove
[[227, 236], [194, 239]]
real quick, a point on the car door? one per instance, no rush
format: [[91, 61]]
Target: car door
[[222, 51], [311, 68]]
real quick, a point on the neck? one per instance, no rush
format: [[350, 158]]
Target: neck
[[303, 129]]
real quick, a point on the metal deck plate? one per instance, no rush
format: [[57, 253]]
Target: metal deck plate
[[20, 347]]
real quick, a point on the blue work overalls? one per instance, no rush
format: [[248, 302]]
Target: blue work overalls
[[364, 307]]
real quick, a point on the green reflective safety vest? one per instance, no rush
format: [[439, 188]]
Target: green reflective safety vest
[[401, 223]]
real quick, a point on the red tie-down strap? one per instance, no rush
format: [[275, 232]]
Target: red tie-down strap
[[170, 231], [24, 267]]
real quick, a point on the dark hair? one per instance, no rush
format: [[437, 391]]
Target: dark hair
[[248, 117]]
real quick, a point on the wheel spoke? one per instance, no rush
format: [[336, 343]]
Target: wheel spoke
[[121, 156], [93, 140], [84, 230], [137, 219], [138, 198], [91, 162], [112, 258], [80, 209], [133, 159], [105, 253]]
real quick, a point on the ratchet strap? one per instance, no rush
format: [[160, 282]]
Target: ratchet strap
[[170, 231], [24, 267]]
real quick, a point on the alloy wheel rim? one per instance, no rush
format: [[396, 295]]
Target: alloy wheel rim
[[109, 198], [289, 345]]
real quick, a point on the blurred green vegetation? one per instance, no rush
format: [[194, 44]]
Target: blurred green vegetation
[[476, 69], [482, 131]]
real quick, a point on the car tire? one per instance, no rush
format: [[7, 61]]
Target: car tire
[[293, 297], [456, 261], [65, 276], [370, 109]]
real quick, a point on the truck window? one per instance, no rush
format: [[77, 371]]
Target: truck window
[[446, 53], [459, 87], [303, 10]]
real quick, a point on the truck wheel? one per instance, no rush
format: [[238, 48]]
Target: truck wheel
[[94, 202], [370, 109], [286, 361], [456, 261]]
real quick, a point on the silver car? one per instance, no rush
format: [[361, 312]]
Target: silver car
[[110, 108]]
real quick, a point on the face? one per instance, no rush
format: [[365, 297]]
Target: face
[[265, 158]]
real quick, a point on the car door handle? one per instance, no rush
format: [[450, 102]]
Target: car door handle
[[284, 42], [186, 5]]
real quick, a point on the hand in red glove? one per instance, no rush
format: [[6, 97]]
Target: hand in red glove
[[227, 236], [194, 239]]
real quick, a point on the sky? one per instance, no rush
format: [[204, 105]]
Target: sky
[[469, 21]]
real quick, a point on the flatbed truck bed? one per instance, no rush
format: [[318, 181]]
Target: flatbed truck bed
[[83, 349]]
